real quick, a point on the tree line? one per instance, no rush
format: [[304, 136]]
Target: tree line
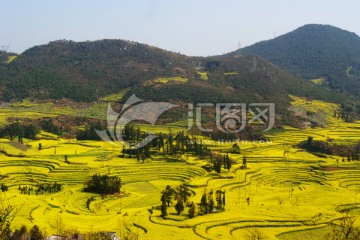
[[19, 130], [352, 152], [40, 189]]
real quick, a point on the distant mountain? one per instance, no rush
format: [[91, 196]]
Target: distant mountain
[[323, 52], [87, 71]]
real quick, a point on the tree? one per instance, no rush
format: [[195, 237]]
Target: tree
[[4, 187], [310, 141], [163, 209], [220, 198], [59, 225], [7, 215], [228, 162], [35, 233], [235, 149], [192, 210], [160, 141], [344, 228], [20, 234], [179, 206], [204, 203], [217, 165], [184, 193], [244, 161], [225, 161], [224, 198], [103, 184], [167, 195], [66, 159], [254, 234], [88, 202]]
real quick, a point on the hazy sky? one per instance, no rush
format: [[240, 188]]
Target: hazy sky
[[192, 27]]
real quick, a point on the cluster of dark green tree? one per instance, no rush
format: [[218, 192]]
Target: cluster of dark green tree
[[19, 130], [141, 153], [48, 125], [89, 133], [207, 204], [29, 129], [348, 111], [132, 134], [165, 143], [4, 187], [181, 195], [20, 234], [40, 189], [221, 160], [103, 184], [250, 133], [352, 152], [135, 136]]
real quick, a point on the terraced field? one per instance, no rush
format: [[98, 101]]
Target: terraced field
[[292, 194]]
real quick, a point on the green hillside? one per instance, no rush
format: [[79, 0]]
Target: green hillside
[[90, 71], [315, 51]]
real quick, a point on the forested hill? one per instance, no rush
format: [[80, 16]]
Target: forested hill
[[86, 71], [314, 52]]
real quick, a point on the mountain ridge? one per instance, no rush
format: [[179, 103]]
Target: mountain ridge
[[88, 71], [315, 51]]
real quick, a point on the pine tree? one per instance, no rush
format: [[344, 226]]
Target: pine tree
[[224, 198], [225, 162], [228, 162], [163, 209], [244, 161], [36, 234], [192, 210], [167, 195], [204, 202], [217, 165], [179, 206]]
